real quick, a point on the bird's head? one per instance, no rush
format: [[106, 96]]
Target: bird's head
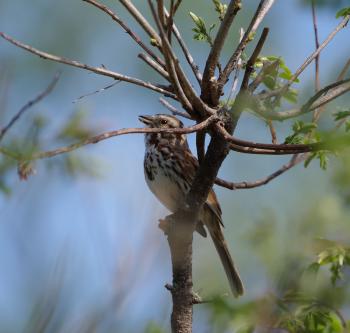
[[163, 121]]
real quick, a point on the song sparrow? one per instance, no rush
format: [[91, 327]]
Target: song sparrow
[[169, 169]]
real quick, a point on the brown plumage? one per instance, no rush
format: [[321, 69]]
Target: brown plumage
[[170, 168]]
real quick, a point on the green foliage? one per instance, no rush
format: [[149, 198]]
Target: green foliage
[[302, 133], [342, 114], [336, 255], [275, 73], [202, 33], [220, 8], [343, 12]]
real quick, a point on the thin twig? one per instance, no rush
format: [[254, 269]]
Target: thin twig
[[187, 53], [171, 61], [110, 134], [296, 159], [273, 132], [208, 83], [150, 62], [308, 61], [252, 59], [173, 109], [322, 97], [318, 111], [141, 21], [262, 10], [344, 70], [97, 91], [283, 147], [29, 104], [317, 44], [97, 70], [133, 35]]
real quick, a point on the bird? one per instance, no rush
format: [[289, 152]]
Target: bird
[[170, 168]]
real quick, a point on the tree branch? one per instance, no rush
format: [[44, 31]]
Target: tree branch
[[262, 10], [97, 70], [136, 38], [29, 104], [107, 135], [322, 97], [296, 159], [308, 61], [208, 84]]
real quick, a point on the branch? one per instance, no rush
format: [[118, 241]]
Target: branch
[[322, 97], [344, 70], [150, 62], [97, 70], [29, 104], [107, 135], [141, 21], [252, 59], [207, 83], [309, 60], [173, 109], [136, 38], [185, 50], [262, 10], [296, 159]]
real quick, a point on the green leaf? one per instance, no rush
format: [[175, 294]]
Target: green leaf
[[220, 8], [347, 126], [341, 114], [343, 12], [201, 32]]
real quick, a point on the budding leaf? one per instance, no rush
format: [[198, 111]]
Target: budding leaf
[[343, 12], [220, 8], [200, 29]]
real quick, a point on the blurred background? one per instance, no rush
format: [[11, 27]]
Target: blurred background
[[80, 249]]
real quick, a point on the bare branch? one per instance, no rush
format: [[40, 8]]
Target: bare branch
[[344, 70], [141, 21], [279, 147], [154, 65], [29, 104], [107, 135], [273, 132], [172, 61], [188, 56], [296, 159], [136, 38], [214, 55], [97, 91], [317, 44], [262, 10], [97, 70], [322, 97], [252, 59], [309, 60], [173, 109]]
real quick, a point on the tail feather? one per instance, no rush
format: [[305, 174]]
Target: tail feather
[[232, 274]]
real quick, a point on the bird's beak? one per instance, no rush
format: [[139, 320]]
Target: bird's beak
[[147, 120]]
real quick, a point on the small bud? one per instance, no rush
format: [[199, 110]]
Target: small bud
[[25, 169]]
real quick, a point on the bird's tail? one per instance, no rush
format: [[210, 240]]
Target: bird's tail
[[232, 274]]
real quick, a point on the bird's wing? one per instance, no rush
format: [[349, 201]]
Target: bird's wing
[[190, 164]]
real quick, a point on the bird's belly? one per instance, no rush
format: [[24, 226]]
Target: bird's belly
[[166, 190]]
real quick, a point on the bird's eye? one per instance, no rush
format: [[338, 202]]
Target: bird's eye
[[163, 121]]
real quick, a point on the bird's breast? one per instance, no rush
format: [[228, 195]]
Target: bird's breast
[[163, 178]]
